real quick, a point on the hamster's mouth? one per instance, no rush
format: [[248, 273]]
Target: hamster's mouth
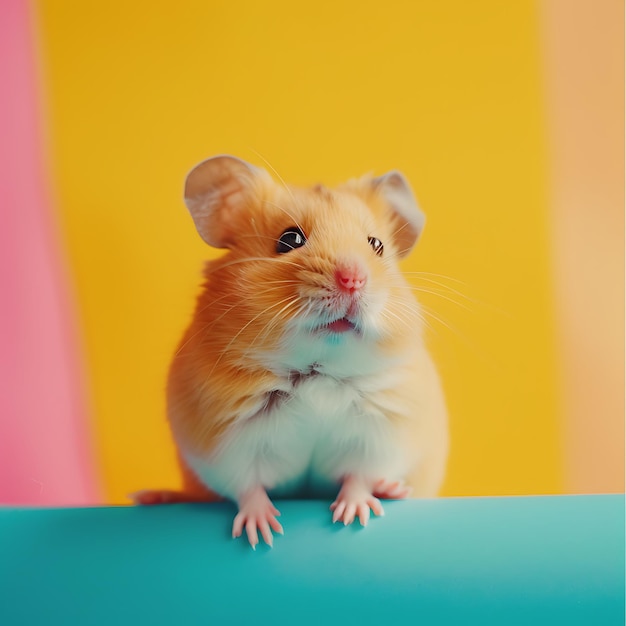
[[343, 325]]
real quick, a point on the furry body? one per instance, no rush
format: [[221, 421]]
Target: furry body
[[307, 368]]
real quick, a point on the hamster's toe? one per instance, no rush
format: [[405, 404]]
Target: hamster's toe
[[257, 514], [355, 499]]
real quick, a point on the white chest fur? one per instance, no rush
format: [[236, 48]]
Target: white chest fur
[[323, 429]]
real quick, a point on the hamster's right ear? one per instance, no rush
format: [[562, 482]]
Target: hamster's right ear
[[216, 191]]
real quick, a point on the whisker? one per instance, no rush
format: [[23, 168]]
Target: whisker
[[205, 329], [271, 324], [214, 302], [474, 301], [389, 314], [488, 360], [412, 306], [413, 315], [399, 230], [251, 259], [441, 295], [429, 311], [456, 280], [444, 286], [241, 330], [287, 213], [414, 312], [280, 178]]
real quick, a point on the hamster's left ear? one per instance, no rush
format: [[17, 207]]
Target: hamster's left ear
[[408, 219], [219, 190]]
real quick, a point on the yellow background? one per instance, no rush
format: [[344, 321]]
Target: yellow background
[[448, 92]]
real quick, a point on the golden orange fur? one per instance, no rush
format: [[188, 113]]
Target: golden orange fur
[[276, 331]]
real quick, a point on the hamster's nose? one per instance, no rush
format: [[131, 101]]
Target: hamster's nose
[[350, 277]]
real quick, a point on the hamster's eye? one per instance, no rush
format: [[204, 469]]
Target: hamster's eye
[[377, 245], [291, 239]]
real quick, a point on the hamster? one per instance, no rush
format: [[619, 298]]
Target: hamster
[[304, 367]]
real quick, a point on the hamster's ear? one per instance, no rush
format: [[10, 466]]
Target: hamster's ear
[[216, 191], [407, 217]]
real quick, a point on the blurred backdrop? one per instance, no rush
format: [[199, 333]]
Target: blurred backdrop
[[507, 117]]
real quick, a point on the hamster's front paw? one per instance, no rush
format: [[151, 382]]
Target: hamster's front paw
[[355, 499], [257, 513]]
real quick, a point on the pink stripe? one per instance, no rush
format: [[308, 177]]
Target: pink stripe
[[43, 446]]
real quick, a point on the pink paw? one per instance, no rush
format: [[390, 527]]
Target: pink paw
[[257, 514], [355, 499], [391, 490]]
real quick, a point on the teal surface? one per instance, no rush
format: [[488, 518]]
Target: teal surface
[[535, 560]]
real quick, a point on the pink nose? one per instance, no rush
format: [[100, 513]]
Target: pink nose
[[350, 278]]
